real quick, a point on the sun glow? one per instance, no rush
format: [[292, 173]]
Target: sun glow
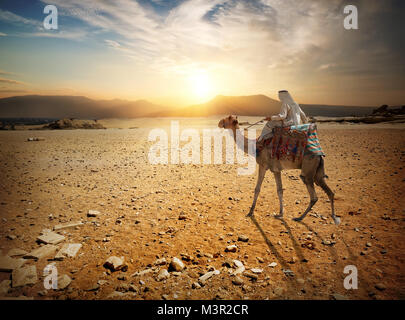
[[201, 86]]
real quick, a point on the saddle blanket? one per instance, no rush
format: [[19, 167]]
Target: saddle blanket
[[292, 143]]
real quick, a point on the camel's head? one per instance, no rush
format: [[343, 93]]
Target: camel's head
[[229, 123]]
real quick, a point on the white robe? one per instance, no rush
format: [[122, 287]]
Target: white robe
[[290, 114]]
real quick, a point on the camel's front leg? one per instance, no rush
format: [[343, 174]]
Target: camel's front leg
[[262, 172], [279, 183]]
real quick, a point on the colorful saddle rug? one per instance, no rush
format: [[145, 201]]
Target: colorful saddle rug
[[292, 143]]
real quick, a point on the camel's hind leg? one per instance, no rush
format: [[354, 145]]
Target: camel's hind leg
[[262, 172], [314, 199], [320, 181]]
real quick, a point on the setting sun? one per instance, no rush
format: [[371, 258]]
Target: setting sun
[[201, 86]]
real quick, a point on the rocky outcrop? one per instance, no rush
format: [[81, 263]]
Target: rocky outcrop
[[73, 124]]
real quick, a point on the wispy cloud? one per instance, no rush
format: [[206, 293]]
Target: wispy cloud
[[13, 18], [2, 34], [10, 81]]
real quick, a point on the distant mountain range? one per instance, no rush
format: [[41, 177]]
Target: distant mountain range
[[57, 107]]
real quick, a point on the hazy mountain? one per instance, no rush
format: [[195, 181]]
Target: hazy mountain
[[57, 107], [73, 107]]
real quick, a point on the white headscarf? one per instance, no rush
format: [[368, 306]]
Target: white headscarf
[[291, 112]]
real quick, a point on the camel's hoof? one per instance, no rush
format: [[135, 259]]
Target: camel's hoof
[[337, 220], [297, 219]]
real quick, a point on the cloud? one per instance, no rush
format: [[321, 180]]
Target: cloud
[[10, 81], [10, 17], [2, 34]]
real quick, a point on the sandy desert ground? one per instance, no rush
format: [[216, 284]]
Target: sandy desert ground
[[193, 212]]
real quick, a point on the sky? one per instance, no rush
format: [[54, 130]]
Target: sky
[[184, 52]]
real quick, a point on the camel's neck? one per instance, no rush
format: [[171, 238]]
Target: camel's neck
[[239, 136]]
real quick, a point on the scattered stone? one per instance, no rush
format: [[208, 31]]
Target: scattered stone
[[41, 252], [67, 225], [5, 287], [163, 274], [176, 265], [63, 281], [207, 276], [243, 238], [8, 264], [68, 250], [237, 263], [237, 281], [300, 281], [278, 291], [196, 285], [363, 253], [165, 297], [93, 213], [368, 244], [273, 264], [288, 272], [17, 253], [24, 276], [160, 262], [338, 296], [231, 248], [11, 237], [380, 286], [101, 282], [114, 263], [142, 273], [182, 216], [251, 275], [51, 238], [260, 259], [93, 287], [115, 295], [256, 270]]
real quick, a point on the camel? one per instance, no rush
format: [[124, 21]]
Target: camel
[[312, 171]]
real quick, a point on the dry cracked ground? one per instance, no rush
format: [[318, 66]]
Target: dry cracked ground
[[172, 224]]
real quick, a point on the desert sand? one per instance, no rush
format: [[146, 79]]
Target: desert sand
[[194, 212]]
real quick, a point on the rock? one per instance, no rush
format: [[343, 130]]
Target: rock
[[338, 296], [8, 264], [93, 213], [163, 274], [182, 216], [363, 253], [256, 270], [68, 250], [207, 276], [24, 276], [114, 263], [300, 281], [11, 237], [41, 252], [17, 253], [231, 248], [196, 285], [142, 273], [278, 291], [176, 265], [368, 244], [380, 286], [101, 282], [160, 262], [251, 275], [63, 281], [288, 272], [273, 264], [67, 225], [165, 297], [93, 287], [237, 281], [260, 259], [237, 263], [239, 270], [115, 295], [51, 238], [243, 238], [5, 287]]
